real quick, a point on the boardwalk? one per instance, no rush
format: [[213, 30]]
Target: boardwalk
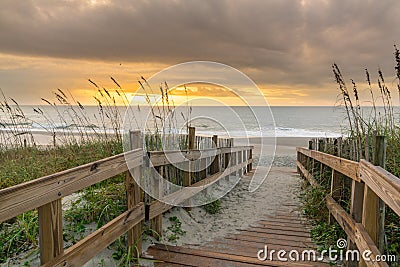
[[283, 229]]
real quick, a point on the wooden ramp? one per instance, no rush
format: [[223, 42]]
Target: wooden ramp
[[284, 230]]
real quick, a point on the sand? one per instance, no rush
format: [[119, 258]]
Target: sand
[[240, 208]]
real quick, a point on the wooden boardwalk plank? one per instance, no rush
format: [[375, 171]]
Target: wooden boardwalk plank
[[285, 230], [264, 240], [209, 258]]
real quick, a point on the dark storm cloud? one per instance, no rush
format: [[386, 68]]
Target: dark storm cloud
[[287, 42]]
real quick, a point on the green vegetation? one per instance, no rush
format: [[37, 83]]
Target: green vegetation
[[323, 233], [384, 119], [99, 203], [78, 137], [175, 229], [213, 207]]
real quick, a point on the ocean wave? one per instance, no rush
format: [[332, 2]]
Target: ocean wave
[[277, 132]]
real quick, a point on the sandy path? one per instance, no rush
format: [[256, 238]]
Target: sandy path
[[239, 208]]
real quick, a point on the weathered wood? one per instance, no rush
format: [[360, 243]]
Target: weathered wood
[[344, 166], [355, 231], [380, 160], [50, 231], [364, 242], [356, 209], [159, 158], [307, 174], [373, 211], [344, 219], [33, 194], [250, 166], [215, 163], [336, 187], [90, 246], [133, 195], [227, 157], [178, 197], [383, 183], [191, 138], [187, 175], [214, 258], [156, 223]]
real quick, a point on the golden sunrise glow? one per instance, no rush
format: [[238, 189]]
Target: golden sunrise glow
[[49, 74]]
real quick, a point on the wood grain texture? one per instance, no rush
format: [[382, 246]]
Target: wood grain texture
[[344, 166], [50, 231], [90, 246], [364, 242], [33, 194], [383, 183], [159, 158], [356, 231]]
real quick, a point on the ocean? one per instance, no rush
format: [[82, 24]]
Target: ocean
[[234, 121]]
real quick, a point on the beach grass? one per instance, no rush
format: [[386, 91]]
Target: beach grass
[[82, 139]]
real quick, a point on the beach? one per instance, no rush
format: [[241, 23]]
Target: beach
[[240, 208]]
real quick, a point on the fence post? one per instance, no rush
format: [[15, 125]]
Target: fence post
[[133, 196], [215, 163], [249, 157], [336, 180], [227, 157], [250, 165], [187, 178], [380, 160], [156, 223], [373, 216], [50, 231], [187, 175]]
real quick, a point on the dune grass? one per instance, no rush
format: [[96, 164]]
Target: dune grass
[[382, 118], [77, 138]]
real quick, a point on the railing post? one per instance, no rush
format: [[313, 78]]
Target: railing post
[[373, 216], [380, 160], [187, 178], [228, 156], [321, 147], [187, 175], [133, 196], [156, 223], [250, 166], [50, 231], [244, 159], [215, 163], [336, 180]]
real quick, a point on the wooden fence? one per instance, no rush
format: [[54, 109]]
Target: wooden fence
[[370, 188], [45, 194]]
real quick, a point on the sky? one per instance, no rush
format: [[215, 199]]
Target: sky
[[286, 47]]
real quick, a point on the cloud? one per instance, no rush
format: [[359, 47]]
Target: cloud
[[280, 42]]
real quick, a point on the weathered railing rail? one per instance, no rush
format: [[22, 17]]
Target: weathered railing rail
[[370, 184], [45, 194]]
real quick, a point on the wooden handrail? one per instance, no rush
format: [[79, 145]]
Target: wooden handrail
[[33, 194], [160, 158], [90, 246], [45, 193], [374, 178], [345, 166], [382, 182]]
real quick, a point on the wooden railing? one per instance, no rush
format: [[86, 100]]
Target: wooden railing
[[45, 194], [370, 184]]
